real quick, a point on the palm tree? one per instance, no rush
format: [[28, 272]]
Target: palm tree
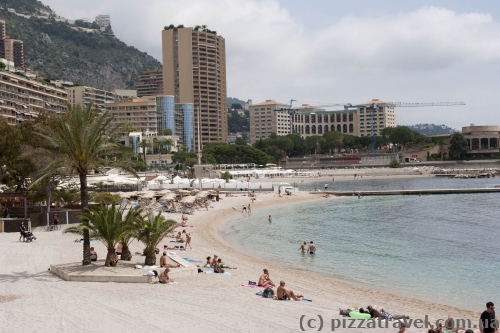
[[152, 230], [106, 224], [157, 145], [84, 140], [168, 143], [144, 144], [133, 219]]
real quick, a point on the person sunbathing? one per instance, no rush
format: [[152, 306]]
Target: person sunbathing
[[214, 261], [163, 277], [284, 294], [264, 279], [209, 262], [223, 265], [217, 268], [163, 261]]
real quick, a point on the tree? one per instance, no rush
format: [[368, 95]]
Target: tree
[[144, 144], [275, 152], [313, 143], [333, 140], [167, 131], [106, 224], [83, 146], [458, 145], [240, 141], [151, 231], [236, 106]]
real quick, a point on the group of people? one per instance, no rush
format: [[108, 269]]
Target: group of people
[[217, 264], [311, 249], [281, 293]]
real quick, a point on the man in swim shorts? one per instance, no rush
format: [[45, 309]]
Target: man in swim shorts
[[284, 294], [312, 248]]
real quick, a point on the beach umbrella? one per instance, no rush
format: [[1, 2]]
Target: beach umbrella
[[188, 199], [148, 195]]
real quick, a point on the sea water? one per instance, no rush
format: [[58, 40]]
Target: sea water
[[439, 248]]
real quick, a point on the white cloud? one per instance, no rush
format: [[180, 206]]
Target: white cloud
[[431, 54]]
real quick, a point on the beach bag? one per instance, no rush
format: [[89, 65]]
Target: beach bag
[[268, 293]]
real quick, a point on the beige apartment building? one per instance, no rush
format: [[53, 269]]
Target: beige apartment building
[[140, 113], [83, 96], [194, 71], [11, 49], [23, 99], [266, 118], [150, 83], [308, 120]]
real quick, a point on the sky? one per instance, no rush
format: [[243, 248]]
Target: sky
[[336, 51]]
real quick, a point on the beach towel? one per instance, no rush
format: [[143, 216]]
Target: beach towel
[[191, 260], [255, 286], [92, 240], [212, 272]]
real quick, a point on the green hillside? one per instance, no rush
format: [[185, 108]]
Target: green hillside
[[59, 51]]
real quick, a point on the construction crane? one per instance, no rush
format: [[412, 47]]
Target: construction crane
[[371, 109]]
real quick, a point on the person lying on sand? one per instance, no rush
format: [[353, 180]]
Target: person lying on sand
[[264, 279], [284, 294], [163, 277], [163, 261]]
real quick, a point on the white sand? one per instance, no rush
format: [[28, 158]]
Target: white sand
[[33, 300]]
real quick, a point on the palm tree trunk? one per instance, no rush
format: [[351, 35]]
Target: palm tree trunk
[[84, 197], [126, 254], [111, 258], [150, 257], [47, 195]]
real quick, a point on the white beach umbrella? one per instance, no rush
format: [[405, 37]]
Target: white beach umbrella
[[188, 199]]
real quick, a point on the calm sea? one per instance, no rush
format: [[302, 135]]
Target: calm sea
[[440, 248]]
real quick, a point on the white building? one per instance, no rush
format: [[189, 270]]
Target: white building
[[9, 65], [103, 20]]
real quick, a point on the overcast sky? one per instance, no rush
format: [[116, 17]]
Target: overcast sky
[[336, 51]]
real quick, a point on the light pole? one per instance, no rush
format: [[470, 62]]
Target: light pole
[[159, 162]]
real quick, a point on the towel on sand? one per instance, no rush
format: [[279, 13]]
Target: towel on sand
[[212, 272], [255, 286]]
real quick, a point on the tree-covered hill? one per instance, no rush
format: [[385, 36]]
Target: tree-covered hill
[[57, 50]]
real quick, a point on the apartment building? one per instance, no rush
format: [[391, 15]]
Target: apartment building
[[153, 114], [11, 49], [150, 83], [23, 99], [83, 96], [194, 72], [361, 121], [266, 118], [103, 20]]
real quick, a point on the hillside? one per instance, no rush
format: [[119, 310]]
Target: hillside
[[57, 50], [234, 100], [431, 129]]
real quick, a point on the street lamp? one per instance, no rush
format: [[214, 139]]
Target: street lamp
[[159, 162]]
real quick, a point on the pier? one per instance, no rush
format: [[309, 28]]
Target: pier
[[411, 192]]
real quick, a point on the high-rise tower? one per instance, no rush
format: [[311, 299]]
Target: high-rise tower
[[194, 71]]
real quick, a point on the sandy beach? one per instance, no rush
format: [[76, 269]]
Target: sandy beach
[[34, 300]]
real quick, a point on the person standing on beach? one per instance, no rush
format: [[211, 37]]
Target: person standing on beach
[[326, 187], [312, 248], [303, 248], [487, 323], [270, 219], [188, 239], [55, 221], [249, 209]]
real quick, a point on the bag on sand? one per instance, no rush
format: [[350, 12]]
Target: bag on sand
[[268, 293]]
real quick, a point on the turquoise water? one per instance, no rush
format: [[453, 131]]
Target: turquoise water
[[440, 248]]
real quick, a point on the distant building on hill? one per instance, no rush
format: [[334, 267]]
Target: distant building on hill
[[83, 96], [150, 83], [11, 49], [103, 20], [22, 98]]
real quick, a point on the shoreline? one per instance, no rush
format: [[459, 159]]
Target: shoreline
[[214, 303], [378, 297]]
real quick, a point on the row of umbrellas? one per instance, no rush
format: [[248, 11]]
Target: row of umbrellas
[[187, 196]]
